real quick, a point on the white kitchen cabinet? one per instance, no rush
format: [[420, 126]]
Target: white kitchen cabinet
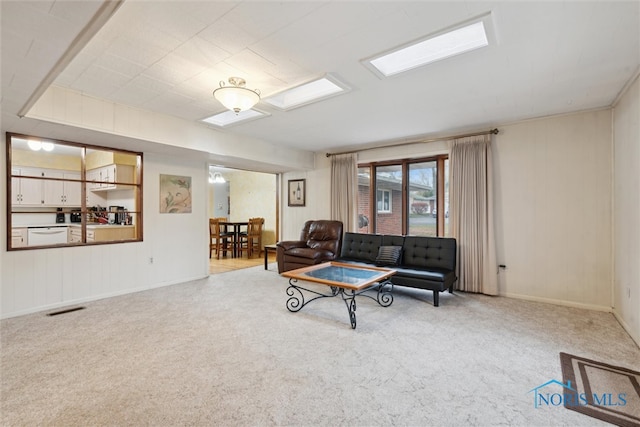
[[62, 193], [75, 234], [26, 191], [44, 192], [19, 237], [111, 177]]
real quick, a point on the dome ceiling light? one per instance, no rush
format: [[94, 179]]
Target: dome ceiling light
[[235, 96]]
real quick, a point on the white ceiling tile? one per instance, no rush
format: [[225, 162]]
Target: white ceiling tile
[[75, 69], [74, 11], [200, 51], [264, 18], [119, 64], [172, 70], [223, 33], [103, 81], [176, 52]]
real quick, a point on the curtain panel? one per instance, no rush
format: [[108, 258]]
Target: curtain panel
[[344, 190], [471, 213]]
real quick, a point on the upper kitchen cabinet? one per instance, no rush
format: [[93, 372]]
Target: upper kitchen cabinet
[[111, 170], [62, 193], [45, 173]]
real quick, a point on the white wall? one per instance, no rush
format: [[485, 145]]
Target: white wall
[[552, 183], [72, 108], [318, 201], [626, 202], [35, 280]]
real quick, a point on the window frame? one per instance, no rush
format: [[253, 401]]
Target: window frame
[[390, 201], [404, 163], [83, 182]]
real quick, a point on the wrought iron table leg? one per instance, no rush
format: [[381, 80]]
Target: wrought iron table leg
[[297, 300], [350, 302], [384, 297]]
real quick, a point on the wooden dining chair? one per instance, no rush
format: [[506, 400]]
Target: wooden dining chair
[[218, 239], [252, 240]]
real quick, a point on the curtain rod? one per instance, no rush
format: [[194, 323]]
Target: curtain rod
[[446, 138]]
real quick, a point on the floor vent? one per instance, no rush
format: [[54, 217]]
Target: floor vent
[[68, 310]]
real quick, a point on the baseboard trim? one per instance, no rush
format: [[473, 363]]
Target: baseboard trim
[[627, 328], [96, 297], [559, 302]]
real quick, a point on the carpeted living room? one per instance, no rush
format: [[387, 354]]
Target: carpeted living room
[[522, 149], [226, 351]]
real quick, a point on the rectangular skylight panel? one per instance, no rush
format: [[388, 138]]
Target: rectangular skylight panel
[[305, 94], [433, 49], [229, 117]]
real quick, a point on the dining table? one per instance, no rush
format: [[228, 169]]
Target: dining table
[[234, 228]]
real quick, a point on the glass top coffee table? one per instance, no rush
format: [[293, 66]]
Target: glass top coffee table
[[345, 280]]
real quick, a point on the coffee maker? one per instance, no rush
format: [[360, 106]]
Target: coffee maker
[[116, 215], [59, 216]]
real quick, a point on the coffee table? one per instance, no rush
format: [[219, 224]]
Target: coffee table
[[346, 280]]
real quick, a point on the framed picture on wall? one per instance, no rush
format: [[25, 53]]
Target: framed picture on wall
[[175, 194], [297, 192]]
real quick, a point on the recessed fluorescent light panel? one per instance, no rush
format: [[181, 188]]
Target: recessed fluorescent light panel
[[435, 48], [308, 93], [229, 117]]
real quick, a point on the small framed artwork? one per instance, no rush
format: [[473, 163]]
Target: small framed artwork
[[297, 192], [175, 194]]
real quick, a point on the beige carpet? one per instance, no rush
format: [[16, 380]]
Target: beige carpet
[[226, 352]]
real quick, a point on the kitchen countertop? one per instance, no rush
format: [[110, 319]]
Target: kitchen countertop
[[95, 225], [43, 225], [71, 224]]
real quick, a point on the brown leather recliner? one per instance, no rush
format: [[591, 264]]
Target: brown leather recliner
[[320, 241]]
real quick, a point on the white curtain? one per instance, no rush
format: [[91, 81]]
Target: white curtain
[[344, 190], [471, 213]]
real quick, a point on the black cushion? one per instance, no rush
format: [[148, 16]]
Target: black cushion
[[389, 255]]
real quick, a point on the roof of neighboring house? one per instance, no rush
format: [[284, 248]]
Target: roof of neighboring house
[[389, 183]]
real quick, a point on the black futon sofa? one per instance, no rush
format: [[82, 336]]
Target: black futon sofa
[[420, 262]]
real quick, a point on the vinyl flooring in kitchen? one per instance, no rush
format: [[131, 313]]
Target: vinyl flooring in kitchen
[[228, 263]]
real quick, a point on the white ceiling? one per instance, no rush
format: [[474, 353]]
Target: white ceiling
[[549, 57]]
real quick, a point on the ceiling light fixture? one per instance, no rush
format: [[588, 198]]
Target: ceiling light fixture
[[235, 96], [218, 179], [38, 145]]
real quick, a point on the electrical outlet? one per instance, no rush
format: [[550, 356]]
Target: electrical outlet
[[628, 291], [150, 260]]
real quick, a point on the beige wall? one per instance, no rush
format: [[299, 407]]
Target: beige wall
[[253, 194], [626, 203], [46, 160], [553, 206], [552, 183]]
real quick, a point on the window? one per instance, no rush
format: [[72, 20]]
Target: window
[[422, 200], [384, 201], [62, 193], [411, 197], [388, 185]]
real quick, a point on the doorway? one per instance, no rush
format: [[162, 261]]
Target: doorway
[[238, 195]]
